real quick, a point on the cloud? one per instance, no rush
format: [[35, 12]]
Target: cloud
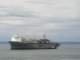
[[9, 22], [28, 25], [56, 8], [36, 26], [15, 11], [55, 17]]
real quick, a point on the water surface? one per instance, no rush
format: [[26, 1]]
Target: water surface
[[64, 52]]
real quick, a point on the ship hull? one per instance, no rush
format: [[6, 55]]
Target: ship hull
[[21, 45]]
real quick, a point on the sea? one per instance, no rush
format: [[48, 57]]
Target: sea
[[64, 52]]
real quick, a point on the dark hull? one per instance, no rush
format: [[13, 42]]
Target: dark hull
[[20, 45]]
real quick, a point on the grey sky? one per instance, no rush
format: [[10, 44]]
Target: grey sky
[[53, 17]]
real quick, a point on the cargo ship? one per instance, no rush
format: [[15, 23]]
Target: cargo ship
[[17, 42]]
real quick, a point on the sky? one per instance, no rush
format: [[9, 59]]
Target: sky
[[59, 20]]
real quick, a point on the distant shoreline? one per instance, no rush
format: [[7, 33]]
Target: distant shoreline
[[3, 42], [70, 42]]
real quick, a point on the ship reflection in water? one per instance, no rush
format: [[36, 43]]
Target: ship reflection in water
[[19, 42]]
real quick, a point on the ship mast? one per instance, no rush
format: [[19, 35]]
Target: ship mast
[[44, 36]]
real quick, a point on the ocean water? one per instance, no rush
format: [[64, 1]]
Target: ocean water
[[64, 52]]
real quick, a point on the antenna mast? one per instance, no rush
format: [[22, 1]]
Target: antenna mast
[[44, 36]]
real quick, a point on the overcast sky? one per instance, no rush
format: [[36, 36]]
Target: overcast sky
[[58, 19]]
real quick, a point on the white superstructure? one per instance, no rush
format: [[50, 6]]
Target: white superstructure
[[16, 38]]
